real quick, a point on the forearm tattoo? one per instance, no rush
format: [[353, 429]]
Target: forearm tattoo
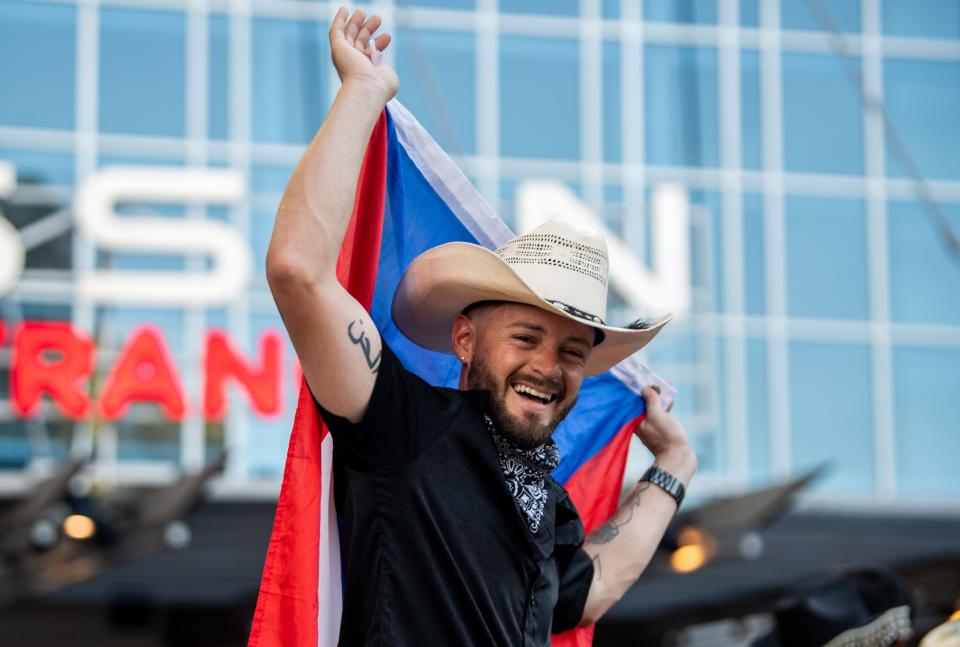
[[596, 567], [611, 528], [360, 339]]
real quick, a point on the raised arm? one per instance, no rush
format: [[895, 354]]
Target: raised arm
[[335, 339], [622, 547]]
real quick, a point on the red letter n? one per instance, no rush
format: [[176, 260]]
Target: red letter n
[[262, 383]]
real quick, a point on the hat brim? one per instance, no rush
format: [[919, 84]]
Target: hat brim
[[441, 282]]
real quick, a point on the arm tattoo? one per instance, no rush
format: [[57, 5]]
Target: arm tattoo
[[596, 568], [611, 528], [361, 339]]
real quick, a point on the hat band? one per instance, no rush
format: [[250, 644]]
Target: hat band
[[575, 312]]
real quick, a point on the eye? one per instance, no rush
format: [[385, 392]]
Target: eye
[[573, 352], [526, 339]]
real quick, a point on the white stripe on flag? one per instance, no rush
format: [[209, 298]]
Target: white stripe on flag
[[330, 585]]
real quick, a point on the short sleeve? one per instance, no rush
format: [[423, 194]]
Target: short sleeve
[[404, 416], [575, 582]]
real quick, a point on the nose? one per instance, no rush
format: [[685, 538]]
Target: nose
[[546, 362]]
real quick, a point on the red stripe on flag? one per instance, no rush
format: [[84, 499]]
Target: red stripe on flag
[[595, 490], [286, 614]]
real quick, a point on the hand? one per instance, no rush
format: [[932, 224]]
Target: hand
[[350, 48], [665, 437]]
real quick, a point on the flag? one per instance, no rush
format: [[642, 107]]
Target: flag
[[412, 197]]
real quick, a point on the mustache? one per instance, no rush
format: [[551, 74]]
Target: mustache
[[544, 384]]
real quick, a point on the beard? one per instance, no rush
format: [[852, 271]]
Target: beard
[[526, 431]]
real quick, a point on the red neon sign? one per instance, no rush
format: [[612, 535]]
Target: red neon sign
[[56, 360]]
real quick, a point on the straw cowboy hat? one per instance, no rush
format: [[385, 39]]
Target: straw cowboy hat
[[557, 267]]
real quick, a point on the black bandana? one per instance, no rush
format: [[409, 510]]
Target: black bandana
[[525, 471]]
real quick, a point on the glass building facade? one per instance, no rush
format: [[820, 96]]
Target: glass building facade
[[818, 141]]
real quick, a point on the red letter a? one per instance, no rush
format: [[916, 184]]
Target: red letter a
[[262, 384], [143, 372], [53, 358]]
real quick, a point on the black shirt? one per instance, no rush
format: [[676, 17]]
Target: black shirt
[[436, 551]]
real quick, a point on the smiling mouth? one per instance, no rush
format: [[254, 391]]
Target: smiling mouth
[[530, 393]]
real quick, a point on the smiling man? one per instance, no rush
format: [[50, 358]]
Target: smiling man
[[454, 531]]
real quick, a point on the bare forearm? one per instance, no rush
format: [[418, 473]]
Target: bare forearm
[[316, 206], [622, 547]]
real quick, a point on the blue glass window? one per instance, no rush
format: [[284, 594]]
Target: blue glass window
[[291, 68], [612, 132], [929, 19], [822, 123], [830, 414], [751, 126], [758, 417], [681, 105], [554, 7], [926, 412], [38, 47], [218, 75], [924, 275], [443, 4], [826, 258], [142, 72], [682, 11], [750, 13], [799, 15], [438, 84], [539, 98], [40, 167], [923, 102], [611, 9], [754, 256]]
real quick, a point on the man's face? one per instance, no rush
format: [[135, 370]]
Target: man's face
[[532, 362]]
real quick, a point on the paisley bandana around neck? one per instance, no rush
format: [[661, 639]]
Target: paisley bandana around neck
[[525, 471]]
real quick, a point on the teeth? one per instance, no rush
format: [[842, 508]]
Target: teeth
[[523, 388]]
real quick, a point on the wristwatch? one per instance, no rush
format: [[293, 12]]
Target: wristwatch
[[666, 482]]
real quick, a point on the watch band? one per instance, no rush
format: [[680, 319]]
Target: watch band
[[666, 482]]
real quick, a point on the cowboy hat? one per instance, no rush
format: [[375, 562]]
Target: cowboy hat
[[865, 608], [557, 267]]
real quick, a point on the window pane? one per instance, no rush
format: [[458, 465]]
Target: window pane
[[219, 72], [750, 13], [612, 132], [142, 72], [682, 11], [555, 7], [750, 124], [39, 90], [830, 414], [924, 275], [930, 18], [681, 105], [926, 413], [755, 296], [291, 64], [923, 101], [799, 15], [826, 258], [758, 417], [822, 125], [539, 98], [40, 167], [437, 84]]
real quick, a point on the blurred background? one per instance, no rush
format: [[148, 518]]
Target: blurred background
[[810, 148]]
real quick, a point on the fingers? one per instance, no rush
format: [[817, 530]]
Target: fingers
[[366, 30], [382, 41], [339, 23], [354, 25], [651, 395]]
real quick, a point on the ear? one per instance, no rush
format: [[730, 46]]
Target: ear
[[463, 338]]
